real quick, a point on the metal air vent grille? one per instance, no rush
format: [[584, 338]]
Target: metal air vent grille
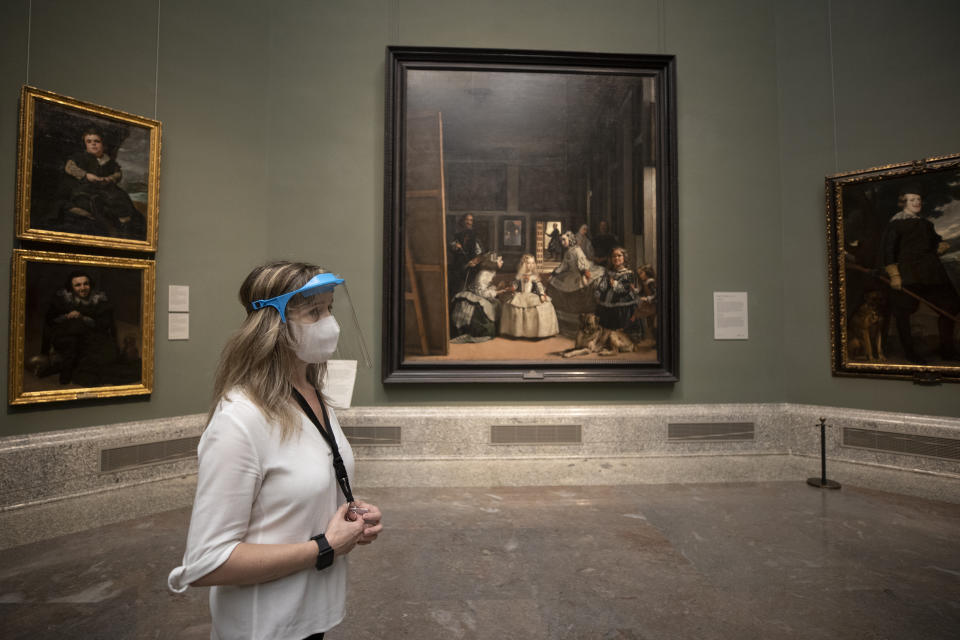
[[903, 443], [372, 436], [535, 434], [709, 431], [139, 455]]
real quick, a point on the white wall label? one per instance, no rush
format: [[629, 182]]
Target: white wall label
[[178, 326], [179, 298], [730, 315]]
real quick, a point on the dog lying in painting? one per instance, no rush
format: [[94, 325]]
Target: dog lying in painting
[[592, 338], [865, 335]]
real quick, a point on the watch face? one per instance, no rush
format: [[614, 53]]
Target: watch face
[[325, 559]]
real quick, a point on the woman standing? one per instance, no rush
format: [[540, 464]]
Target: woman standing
[[617, 293], [570, 284], [583, 241], [274, 516]]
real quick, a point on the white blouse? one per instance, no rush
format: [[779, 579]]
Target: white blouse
[[251, 487]]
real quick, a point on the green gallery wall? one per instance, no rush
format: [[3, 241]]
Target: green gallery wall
[[272, 119]]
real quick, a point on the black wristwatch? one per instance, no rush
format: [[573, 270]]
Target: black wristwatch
[[324, 553]]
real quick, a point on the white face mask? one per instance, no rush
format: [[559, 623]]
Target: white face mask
[[317, 341]]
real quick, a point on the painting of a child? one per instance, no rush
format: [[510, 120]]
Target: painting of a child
[[528, 313]]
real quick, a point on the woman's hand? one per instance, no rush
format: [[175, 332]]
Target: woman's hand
[[342, 532], [371, 521]]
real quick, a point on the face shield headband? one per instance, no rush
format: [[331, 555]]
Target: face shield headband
[[352, 345], [320, 283]]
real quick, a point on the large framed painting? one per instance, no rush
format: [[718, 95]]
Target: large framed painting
[[80, 327], [894, 263], [530, 217], [86, 174]]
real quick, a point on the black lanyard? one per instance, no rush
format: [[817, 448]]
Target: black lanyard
[[340, 469]]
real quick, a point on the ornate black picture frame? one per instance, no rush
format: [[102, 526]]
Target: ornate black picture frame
[[893, 235], [475, 138]]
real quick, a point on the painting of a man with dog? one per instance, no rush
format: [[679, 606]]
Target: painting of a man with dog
[[895, 258], [550, 160]]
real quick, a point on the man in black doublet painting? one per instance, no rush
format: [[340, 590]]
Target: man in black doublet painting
[[911, 256], [80, 338]]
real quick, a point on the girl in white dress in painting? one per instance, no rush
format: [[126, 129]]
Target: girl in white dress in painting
[[528, 313]]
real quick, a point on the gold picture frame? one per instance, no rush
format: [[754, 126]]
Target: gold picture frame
[[81, 327], [894, 270], [72, 192]]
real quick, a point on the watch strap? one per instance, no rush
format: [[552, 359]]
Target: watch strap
[[324, 552]]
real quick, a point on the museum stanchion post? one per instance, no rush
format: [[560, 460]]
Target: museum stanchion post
[[822, 481]]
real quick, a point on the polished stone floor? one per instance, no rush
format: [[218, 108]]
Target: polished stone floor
[[730, 561]]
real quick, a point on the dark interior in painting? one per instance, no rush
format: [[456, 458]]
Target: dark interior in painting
[[567, 147], [523, 157]]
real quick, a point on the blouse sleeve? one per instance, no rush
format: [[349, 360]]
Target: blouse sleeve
[[228, 480], [582, 263], [538, 287], [603, 285], [73, 169]]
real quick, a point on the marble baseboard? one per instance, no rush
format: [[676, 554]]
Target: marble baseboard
[[53, 484], [578, 471], [50, 466], [799, 423], [919, 484], [81, 512]]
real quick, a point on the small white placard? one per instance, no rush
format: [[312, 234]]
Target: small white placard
[[179, 298], [178, 326], [339, 381], [730, 315]]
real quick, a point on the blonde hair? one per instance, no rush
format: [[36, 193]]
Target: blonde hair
[[522, 268], [259, 357]]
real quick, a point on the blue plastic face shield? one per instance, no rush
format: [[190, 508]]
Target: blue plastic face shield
[[320, 283], [305, 305]]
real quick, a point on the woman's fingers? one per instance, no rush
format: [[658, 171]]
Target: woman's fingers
[[343, 534], [370, 534], [371, 519], [372, 515]]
